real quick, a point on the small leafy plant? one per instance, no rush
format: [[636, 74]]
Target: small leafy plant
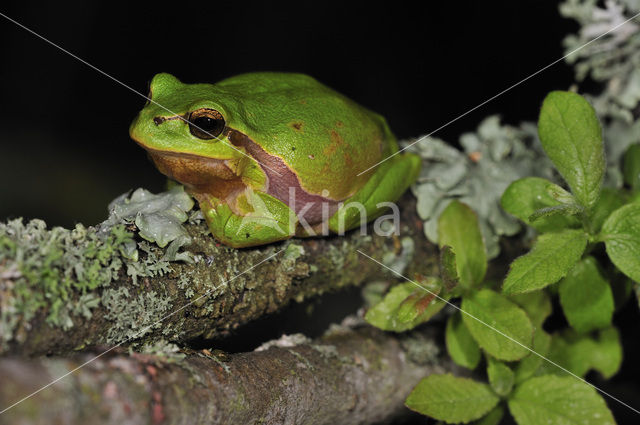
[[586, 254]]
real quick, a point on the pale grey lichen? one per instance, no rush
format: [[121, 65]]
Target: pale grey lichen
[[167, 351], [285, 341], [133, 316], [494, 156], [293, 251], [158, 217], [150, 265], [399, 261], [58, 270], [421, 349], [196, 217], [612, 56], [54, 270]]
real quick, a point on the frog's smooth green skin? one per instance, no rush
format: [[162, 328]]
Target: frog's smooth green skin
[[264, 153]]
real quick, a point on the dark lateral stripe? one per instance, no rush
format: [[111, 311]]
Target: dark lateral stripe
[[281, 180]]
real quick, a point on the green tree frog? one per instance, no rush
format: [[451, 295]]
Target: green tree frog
[[272, 155]]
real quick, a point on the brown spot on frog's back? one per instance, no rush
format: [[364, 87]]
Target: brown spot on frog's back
[[297, 126], [336, 141], [339, 124], [336, 138], [348, 160]]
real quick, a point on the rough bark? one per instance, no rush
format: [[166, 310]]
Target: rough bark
[[232, 297], [352, 375]]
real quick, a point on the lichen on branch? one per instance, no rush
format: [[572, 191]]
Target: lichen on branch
[[63, 290]]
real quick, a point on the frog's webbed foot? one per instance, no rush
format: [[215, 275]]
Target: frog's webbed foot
[[255, 219]]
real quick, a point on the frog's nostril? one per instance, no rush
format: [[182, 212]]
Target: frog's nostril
[[158, 120]]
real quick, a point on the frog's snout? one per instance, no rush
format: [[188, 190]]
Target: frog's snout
[[133, 128]]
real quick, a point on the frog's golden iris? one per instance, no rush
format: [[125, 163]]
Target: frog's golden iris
[[206, 123]]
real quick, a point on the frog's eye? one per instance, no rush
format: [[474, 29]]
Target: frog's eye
[[206, 123]]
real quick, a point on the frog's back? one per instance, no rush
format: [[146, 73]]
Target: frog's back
[[324, 136]]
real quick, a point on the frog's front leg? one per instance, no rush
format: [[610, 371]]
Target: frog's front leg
[[255, 219], [389, 181]]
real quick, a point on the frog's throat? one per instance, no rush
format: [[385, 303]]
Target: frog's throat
[[199, 174], [283, 183]]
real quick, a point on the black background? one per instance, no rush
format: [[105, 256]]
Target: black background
[[65, 151], [64, 126]]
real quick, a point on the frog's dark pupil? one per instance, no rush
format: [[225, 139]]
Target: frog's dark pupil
[[206, 123]]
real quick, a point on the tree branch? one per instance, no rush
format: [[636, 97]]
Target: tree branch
[[206, 298], [353, 375]]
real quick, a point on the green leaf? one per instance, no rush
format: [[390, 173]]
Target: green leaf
[[530, 365], [572, 138], [558, 400], [448, 267], [487, 309], [494, 417], [415, 304], [501, 377], [391, 315], [609, 201], [374, 292], [581, 353], [537, 304], [526, 196], [621, 235], [451, 399], [564, 209], [561, 195], [551, 258], [458, 227], [607, 358], [586, 298], [462, 348], [631, 167]]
